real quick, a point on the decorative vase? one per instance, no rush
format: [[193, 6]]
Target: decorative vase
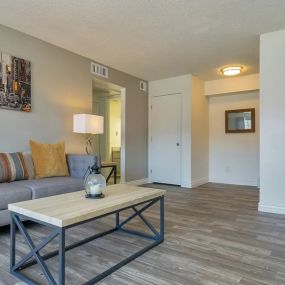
[[95, 183]]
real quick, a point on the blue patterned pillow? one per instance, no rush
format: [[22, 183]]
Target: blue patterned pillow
[[12, 167]]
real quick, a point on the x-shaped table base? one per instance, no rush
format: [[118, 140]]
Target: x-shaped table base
[[34, 256]]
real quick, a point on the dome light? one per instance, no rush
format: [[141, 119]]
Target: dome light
[[231, 70]]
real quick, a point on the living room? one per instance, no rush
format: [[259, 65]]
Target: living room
[[198, 154]]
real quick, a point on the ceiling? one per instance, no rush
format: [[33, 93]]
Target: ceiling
[[152, 39]]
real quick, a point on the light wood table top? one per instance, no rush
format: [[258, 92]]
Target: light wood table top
[[68, 209]]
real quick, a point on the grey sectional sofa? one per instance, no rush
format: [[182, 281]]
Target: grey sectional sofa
[[38, 188]]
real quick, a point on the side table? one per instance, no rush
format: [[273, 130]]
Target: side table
[[113, 166]]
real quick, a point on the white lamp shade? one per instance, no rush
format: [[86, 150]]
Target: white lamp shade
[[88, 124]]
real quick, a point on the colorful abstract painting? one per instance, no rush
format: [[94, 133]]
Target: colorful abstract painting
[[15, 83]]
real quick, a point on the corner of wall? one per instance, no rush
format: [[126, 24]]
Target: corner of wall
[[199, 182], [199, 133]]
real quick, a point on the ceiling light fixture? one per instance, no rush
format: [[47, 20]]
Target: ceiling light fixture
[[231, 70]]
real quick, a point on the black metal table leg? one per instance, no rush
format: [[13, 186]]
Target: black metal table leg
[[117, 220], [12, 243], [34, 252], [61, 258], [115, 174], [162, 218]]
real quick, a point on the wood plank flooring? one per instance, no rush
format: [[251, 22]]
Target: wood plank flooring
[[213, 236]]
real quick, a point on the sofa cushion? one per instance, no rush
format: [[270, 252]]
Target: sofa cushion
[[49, 159], [29, 165], [45, 187], [12, 193], [79, 163], [4, 218], [12, 167]]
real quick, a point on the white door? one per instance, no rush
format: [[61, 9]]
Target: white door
[[166, 139]]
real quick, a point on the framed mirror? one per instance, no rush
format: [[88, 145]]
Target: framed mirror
[[240, 121]]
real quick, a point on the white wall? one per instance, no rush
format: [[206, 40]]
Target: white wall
[[195, 126], [208, 153], [234, 158], [245, 83], [199, 133], [176, 85], [272, 132]]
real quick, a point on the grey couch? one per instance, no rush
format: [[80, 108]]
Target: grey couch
[[38, 188]]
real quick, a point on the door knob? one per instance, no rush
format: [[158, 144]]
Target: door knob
[[178, 144]]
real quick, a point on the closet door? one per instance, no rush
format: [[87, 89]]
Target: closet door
[[166, 139]]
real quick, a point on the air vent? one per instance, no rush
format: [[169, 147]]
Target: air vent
[[99, 70], [143, 85]]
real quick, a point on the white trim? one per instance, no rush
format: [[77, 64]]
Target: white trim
[[138, 182], [271, 209], [229, 180], [123, 135], [200, 181], [107, 128], [149, 136]]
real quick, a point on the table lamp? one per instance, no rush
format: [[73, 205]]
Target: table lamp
[[94, 181], [89, 125]]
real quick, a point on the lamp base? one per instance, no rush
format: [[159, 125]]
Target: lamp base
[[94, 196], [88, 147]]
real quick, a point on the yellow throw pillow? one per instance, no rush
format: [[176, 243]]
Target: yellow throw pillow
[[49, 159]]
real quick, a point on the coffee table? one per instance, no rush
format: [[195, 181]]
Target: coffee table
[[65, 211]]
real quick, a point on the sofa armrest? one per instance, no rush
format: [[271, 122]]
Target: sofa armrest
[[79, 163]]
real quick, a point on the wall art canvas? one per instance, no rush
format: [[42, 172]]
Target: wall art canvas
[[15, 83]]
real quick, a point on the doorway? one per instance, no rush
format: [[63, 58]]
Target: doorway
[[166, 112], [108, 101]]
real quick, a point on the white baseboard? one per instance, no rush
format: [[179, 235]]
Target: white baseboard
[[138, 182], [271, 209], [228, 180], [187, 185], [200, 181]]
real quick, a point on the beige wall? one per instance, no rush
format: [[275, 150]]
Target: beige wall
[[199, 133], [136, 126], [62, 86], [234, 158]]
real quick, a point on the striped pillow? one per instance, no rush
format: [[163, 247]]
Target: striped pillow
[[12, 167]]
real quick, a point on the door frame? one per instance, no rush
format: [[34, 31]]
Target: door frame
[[123, 136], [150, 133], [123, 127]]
